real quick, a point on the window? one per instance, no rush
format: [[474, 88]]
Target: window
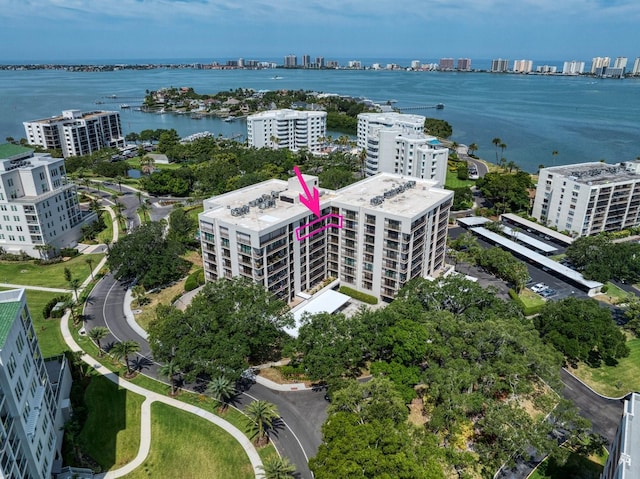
[[25, 412], [11, 366], [39, 449], [20, 343], [19, 389], [26, 366]]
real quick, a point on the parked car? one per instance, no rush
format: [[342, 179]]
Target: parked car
[[536, 288]]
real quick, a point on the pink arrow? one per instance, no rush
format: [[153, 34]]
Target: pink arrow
[[311, 201]]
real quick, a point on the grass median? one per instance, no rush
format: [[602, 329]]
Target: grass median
[[51, 275]]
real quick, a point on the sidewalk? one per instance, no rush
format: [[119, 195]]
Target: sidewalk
[[145, 430]]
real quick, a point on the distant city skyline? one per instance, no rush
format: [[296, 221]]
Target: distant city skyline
[[63, 30]]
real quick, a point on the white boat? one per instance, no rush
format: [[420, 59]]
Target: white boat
[[229, 119], [124, 106]]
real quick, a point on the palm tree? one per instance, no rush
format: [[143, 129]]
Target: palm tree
[[139, 196], [121, 219], [503, 146], [221, 389], [496, 141], [277, 467], [473, 147], [75, 285], [170, 370], [144, 209], [89, 261], [119, 180], [123, 349], [262, 415], [554, 153], [511, 165], [96, 334], [94, 205]]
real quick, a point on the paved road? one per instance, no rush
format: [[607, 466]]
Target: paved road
[[463, 154], [302, 412], [603, 413]]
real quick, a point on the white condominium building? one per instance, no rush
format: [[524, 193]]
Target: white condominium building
[[588, 198], [599, 62], [620, 62], [374, 235], [38, 207], [34, 396], [291, 129], [499, 65], [636, 67], [396, 143], [624, 454], [76, 133], [522, 66], [573, 67]]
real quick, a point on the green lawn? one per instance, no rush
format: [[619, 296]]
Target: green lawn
[[52, 276], [107, 233], [531, 299], [194, 211], [615, 381], [576, 467], [619, 294], [452, 181], [111, 433], [187, 446]]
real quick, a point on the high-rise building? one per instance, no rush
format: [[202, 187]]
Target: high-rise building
[[38, 206], [620, 62], [291, 129], [34, 396], [636, 67], [589, 198], [396, 143], [290, 61], [76, 133], [547, 69], [464, 64], [415, 64], [319, 62], [499, 65], [446, 64], [306, 61], [374, 235], [624, 454], [573, 67], [599, 63], [354, 64], [522, 66]]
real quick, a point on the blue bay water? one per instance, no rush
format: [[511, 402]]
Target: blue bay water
[[581, 118]]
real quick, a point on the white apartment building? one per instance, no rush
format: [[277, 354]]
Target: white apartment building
[[396, 143], [76, 133], [499, 65], [620, 62], [38, 206], [34, 396], [291, 129], [547, 69], [573, 67], [636, 67], [588, 198], [600, 62], [624, 454], [522, 66], [374, 235]]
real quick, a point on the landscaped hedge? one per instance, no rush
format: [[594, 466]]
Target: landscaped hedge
[[47, 310], [194, 280], [365, 298], [526, 310]]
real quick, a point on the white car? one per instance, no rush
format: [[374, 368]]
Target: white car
[[537, 288]]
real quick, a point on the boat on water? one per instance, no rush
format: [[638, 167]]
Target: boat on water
[[124, 106], [229, 119], [440, 106], [276, 77]]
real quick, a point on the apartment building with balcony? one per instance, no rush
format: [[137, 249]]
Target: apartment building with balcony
[[374, 235], [396, 143], [589, 198], [291, 129], [76, 133], [34, 396], [499, 65], [39, 209], [624, 454]]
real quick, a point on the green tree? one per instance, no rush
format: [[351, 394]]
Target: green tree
[[170, 370], [582, 330], [123, 350], [496, 142], [146, 254], [74, 284], [222, 390], [261, 417], [229, 325], [67, 275], [89, 262], [473, 147], [96, 334], [463, 171], [277, 467], [462, 198], [182, 229]]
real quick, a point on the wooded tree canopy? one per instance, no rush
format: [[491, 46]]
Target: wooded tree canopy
[[148, 256], [582, 330], [229, 325], [508, 192], [602, 260]]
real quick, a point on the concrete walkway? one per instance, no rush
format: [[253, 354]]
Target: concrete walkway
[[145, 430], [37, 288]]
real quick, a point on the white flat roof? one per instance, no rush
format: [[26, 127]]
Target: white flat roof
[[473, 221], [328, 302], [524, 238], [538, 227], [537, 257]]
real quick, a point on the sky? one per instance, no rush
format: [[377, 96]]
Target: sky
[[426, 30]]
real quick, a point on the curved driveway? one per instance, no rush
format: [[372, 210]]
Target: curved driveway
[[302, 412]]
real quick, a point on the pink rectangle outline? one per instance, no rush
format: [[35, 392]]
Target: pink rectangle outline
[[329, 225]]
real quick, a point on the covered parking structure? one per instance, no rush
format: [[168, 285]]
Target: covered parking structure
[[567, 274], [515, 220], [328, 301]]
